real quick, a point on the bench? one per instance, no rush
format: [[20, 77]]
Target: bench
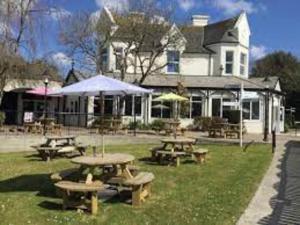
[[62, 175], [200, 155], [232, 133], [174, 156], [47, 153], [153, 152], [141, 187], [69, 201]]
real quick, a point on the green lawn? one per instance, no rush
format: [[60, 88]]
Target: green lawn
[[214, 193]]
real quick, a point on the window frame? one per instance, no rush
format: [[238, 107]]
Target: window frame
[[173, 62], [251, 102], [118, 51], [243, 64], [229, 62]]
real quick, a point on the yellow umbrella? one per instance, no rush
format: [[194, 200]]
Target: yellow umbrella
[[170, 97]]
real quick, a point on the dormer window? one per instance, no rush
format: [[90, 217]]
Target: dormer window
[[229, 62], [243, 59], [173, 61], [104, 60], [118, 54]]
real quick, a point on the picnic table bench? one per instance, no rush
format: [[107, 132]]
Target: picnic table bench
[[173, 156], [200, 155], [141, 187], [83, 202]]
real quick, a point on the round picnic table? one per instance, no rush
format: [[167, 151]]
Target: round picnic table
[[182, 142], [108, 159]]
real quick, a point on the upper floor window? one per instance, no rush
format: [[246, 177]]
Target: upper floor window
[[229, 62], [173, 61], [243, 60], [118, 54], [104, 59]]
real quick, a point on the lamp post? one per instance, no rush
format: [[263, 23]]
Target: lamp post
[[46, 82]]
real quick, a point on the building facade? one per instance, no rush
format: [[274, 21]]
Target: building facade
[[211, 62]]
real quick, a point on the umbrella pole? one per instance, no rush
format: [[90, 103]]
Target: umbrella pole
[[102, 120]]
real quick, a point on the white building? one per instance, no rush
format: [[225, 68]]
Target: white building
[[211, 61]]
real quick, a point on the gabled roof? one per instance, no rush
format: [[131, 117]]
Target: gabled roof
[[270, 82], [77, 75], [218, 32], [198, 38]]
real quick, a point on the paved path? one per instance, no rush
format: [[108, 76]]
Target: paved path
[[277, 200]]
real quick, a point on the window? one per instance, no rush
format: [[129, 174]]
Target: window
[[243, 63], [229, 62], [129, 105], [196, 104], [173, 61], [251, 109], [216, 107], [118, 54], [104, 60]]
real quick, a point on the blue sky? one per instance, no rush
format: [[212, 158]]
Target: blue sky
[[274, 23]]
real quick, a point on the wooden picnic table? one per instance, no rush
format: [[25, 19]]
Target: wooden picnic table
[[182, 144], [59, 140], [119, 161]]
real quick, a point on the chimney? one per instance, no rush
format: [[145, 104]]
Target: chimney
[[200, 20]]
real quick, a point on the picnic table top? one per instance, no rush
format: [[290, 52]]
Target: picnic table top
[[179, 140], [61, 137], [107, 159]]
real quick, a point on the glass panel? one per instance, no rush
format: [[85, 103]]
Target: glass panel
[[246, 110], [118, 52], [228, 68], [108, 105], [255, 110], [229, 56], [166, 113], [173, 61], [216, 106], [138, 105], [196, 109], [128, 106]]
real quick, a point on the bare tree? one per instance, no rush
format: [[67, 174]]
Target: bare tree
[[18, 25]]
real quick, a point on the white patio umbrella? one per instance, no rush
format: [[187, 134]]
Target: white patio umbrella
[[101, 85]]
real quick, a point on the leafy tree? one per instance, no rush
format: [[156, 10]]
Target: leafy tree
[[282, 64]]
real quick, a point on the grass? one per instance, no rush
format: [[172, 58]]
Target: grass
[[214, 193]]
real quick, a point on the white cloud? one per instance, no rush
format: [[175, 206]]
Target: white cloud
[[59, 13], [186, 5], [115, 5], [232, 7], [258, 51], [61, 59]]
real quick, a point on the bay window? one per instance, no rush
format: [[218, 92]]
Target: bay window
[[104, 59], [118, 54]]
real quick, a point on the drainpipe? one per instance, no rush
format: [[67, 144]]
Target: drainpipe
[[266, 129]]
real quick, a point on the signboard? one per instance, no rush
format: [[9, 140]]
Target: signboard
[[28, 117], [230, 103], [249, 95]]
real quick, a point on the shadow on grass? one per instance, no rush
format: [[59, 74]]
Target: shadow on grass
[[286, 203], [40, 183]]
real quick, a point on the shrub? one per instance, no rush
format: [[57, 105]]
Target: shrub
[[158, 125], [138, 125]]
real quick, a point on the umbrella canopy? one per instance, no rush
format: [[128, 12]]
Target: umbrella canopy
[[170, 97], [40, 91], [106, 85], [160, 106], [102, 85]]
